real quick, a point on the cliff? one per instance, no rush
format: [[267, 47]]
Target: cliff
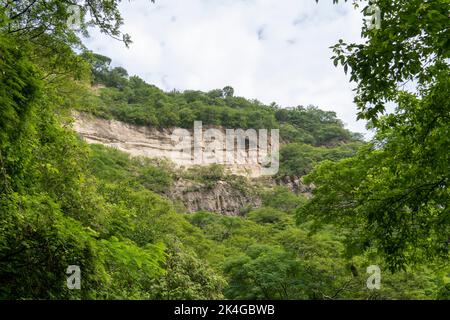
[[221, 196], [147, 141]]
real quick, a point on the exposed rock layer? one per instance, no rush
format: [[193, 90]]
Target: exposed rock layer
[[220, 197], [147, 142]]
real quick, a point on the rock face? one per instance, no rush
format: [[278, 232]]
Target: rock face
[[221, 197], [135, 140], [217, 196], [151, 142]]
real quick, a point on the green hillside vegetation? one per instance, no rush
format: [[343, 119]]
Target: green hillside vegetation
[[308, 135], [64, 202], [132, 100]]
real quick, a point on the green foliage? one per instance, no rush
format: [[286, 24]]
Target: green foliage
[[399, 207], [272, 259], [282, 198], [395, 194], [134, 101], [270, 216], [187, 277], [412, 45], [131, 268], [32, 19], [54, 212], [298, 159], [117, 167], [211, 173], [265, 272], [37, 245], [323, 126], [215, 227]]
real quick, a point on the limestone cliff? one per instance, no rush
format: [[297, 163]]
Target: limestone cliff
[[217, 196], [146, 141]]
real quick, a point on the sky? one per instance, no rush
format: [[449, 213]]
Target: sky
[[273, 51]]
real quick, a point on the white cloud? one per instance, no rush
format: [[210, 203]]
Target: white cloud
[[264, 49]]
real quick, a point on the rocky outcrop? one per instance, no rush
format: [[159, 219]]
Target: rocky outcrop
[[220, 197], [215, 196], [148, 142]]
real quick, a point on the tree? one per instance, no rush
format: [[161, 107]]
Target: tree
[[117, 78], [52, 213], [100, 65], [33, 19], [265, 272], [228, 91], [282, 198], [412, 44], [187, 277], [396, 190]]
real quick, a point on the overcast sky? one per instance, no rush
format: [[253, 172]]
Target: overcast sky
[[273, 51]]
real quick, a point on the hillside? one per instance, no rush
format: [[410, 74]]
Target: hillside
[[122, 113], [88, 180], [130, 99]]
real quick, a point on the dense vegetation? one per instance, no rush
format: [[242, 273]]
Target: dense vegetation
[[395, 193], [63, 202]]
